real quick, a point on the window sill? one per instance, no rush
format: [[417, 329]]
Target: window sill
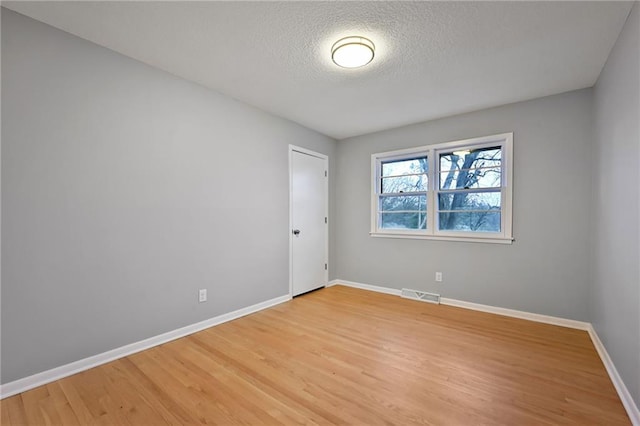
[[466, 239]]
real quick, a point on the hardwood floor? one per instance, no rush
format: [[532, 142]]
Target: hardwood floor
[[343, 356]]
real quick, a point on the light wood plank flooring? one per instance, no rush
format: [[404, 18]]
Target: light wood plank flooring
[[343, 356]]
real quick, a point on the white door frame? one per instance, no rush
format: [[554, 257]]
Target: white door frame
[[295, 148]]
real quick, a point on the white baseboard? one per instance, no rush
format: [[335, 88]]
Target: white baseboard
[[623, 392], [385, 290], [547, 319], [628, 402], [39, 379]]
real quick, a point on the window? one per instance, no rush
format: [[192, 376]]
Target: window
[[451, 191], [403, 193]]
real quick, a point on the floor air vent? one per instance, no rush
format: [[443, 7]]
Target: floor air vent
[[423, 296]]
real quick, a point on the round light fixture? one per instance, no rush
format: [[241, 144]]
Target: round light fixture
[[352, 52]]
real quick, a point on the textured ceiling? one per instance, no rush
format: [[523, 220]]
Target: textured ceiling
[[433, 59]]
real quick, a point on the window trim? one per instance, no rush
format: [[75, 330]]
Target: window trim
[[505, 236]]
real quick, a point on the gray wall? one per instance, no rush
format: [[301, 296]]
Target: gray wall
[[615, 291], [124, 191], [544, 271]]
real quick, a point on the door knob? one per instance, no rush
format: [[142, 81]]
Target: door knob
[[296, 232]]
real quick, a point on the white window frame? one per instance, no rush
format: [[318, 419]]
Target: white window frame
[[504, 140]]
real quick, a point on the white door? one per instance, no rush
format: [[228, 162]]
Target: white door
[[308, 219]]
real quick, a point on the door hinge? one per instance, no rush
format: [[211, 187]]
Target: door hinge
[[325, 173], [325, 219], [325, 266]]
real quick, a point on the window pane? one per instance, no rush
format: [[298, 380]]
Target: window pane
[[487, 221], [405, 167], [414, 220], [471, 158], [413, 203], [413, 183], [480, 168], [471, 178], [470, 201]]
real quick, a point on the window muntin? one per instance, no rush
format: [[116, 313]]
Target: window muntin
[[469, 194], [457, 190], [470, 168], [402, 193]]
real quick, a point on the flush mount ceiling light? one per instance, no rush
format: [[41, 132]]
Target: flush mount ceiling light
[[352, 52]]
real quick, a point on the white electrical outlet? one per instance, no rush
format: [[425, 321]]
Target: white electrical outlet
[[202, 295], [439, 277]]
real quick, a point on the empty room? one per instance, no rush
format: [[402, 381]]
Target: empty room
[[305, 212]]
